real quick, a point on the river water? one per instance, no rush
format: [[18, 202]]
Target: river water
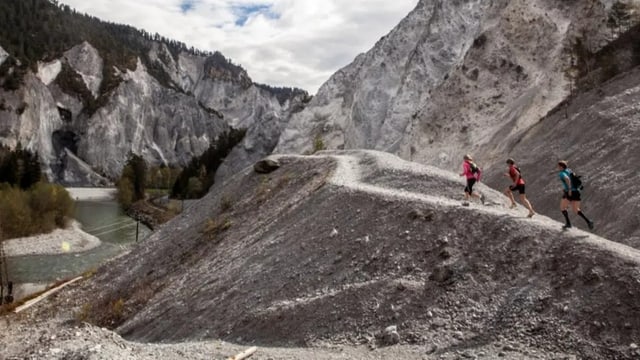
[[101, 218]]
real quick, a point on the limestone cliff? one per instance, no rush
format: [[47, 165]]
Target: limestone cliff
[[3, 55], [497, 79], [453, 77], [167, 115]]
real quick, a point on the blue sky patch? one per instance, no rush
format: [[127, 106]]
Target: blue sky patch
[[243, 12], [187, 5]]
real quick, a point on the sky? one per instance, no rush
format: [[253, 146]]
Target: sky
[[284, 43]]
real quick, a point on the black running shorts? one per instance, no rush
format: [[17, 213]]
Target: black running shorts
[[519, 187], [575, 195], [470, 183]]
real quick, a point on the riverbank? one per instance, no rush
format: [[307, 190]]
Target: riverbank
[[61, 241], [152, 215], [92, 193]]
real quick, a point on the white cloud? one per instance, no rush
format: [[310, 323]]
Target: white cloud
[[297, 43]]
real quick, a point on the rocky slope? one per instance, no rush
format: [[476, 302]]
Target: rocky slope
[[60, 113], [453, 77], [496, 79], [597, 132], [331, 250]]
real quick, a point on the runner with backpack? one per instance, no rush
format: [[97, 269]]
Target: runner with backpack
[[572, 185], [472, 173], [518, 185]]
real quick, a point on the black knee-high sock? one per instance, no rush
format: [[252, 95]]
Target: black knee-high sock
[[583, 216], [566, 217]]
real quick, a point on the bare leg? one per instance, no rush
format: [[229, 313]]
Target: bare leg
[[510, 196], [575, 206], [527, 204], [564, 205], [576, 209], [465, 202]]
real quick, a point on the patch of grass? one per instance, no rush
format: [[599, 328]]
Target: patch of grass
[[282, 182], [265, 188], [107, 313], [84, 313], [226, 225], [89, 273], [226, 203], [318, 144], [262, 190], [214, 227], [117, 308]]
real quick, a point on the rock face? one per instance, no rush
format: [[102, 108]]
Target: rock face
[[78, 173], [3, 55], [47, 72], [453, 77], [85, 60], [166, 122], [162, 125], [30, 117]]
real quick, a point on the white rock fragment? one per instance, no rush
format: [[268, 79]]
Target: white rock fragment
[[390, 335], [47, 72], [3, 55]]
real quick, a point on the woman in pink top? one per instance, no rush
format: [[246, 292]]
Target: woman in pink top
[[472, 172]]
